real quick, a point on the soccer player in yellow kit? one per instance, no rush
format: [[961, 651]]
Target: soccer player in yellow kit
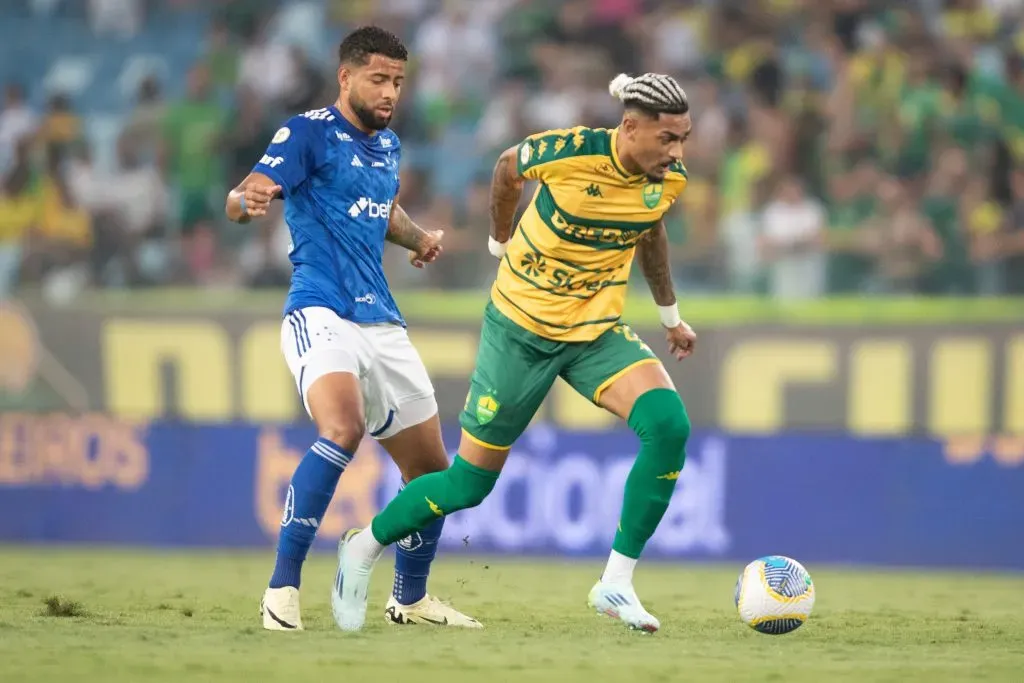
[[554, 312]]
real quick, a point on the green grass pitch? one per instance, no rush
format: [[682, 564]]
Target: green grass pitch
[[116, 615]]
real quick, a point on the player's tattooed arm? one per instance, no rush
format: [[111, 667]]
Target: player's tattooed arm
[[424, 245], [506, 191], [403, 231], [652, 252]]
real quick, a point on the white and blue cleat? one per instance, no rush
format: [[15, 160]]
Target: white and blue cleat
[[351, 585], [619, 601]]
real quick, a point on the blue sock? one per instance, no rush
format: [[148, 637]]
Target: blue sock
[[309, 494], [413, 556]]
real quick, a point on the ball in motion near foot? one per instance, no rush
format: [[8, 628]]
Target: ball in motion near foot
[[774, 595]]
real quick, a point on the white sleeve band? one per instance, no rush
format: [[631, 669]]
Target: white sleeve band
[[669, 315], [496, 248]]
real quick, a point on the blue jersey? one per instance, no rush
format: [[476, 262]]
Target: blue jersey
[[339, 187]]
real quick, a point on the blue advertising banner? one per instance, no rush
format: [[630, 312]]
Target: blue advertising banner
[[820, 498]]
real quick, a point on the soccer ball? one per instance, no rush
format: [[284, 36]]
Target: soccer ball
[[774, 595]]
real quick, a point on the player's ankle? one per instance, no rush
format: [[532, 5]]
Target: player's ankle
[[619, 570]]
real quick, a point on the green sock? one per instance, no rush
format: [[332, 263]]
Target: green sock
[[659, 418], [424, 499]]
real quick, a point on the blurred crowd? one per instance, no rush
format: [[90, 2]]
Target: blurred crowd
[[840, 146]]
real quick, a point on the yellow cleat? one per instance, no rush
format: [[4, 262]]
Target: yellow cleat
[[429, 610]]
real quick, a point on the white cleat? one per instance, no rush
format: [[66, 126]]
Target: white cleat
[[429, 610], [351, 584], [619, 601], [280, 609]]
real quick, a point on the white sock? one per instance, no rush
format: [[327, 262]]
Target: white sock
[[619, 569], [364, 545]]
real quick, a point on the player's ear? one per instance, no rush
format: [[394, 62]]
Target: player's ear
[[629, 125], [344, 76]]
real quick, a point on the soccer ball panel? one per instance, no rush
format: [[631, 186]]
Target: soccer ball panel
[[774, 595]]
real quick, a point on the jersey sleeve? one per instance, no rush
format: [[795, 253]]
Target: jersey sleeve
[[542, 156], [294, 154]]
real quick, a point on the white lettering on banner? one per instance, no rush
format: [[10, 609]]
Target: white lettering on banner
[[571, 503]]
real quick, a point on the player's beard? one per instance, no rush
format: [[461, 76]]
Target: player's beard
[[367, 116]]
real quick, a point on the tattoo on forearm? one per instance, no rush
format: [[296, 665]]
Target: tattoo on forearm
[[402, 231], [652, 251], [506, 189]]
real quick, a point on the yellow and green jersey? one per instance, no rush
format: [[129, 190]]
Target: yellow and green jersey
[[564, 274]]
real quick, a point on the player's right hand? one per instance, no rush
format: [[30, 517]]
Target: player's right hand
[[429, 249], [258, 198], [681, 340]]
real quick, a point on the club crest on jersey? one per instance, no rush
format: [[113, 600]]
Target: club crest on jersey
[[486, 408], [281, 135], [652, 194]]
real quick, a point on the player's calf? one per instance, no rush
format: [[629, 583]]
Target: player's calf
[[335, 404], [659, 418]]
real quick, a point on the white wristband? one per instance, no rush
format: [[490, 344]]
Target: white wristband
[[669, 316], [496, 248]]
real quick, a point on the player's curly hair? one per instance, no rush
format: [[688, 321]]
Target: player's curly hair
[[651, 93], [358, 46]]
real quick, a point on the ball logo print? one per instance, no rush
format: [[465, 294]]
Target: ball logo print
[[281, 135]]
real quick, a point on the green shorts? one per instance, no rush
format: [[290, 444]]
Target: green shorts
[[516, 368]]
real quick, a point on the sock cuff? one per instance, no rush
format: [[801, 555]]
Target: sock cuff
[[460, 464], [332, 452]]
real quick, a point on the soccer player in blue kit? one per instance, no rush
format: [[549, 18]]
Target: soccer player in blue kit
[[343, 337]]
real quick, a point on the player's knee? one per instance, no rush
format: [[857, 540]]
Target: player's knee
[[659, 417], [469, 484], [345, 431]]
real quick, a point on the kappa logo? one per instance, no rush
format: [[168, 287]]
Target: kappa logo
[[594, 190], [356, 161]]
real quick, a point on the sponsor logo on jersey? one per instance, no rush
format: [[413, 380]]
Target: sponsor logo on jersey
[[385, 142], [344, 137], [379, 164], [272, 162], [370, 208], [281, 135], [368, 299]]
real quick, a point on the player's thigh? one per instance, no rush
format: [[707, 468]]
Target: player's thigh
[[514, 372], [327, 356], [419, 449], [615, 369]]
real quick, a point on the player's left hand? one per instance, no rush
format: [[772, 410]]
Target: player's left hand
[[681, 340], [429, 250]]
